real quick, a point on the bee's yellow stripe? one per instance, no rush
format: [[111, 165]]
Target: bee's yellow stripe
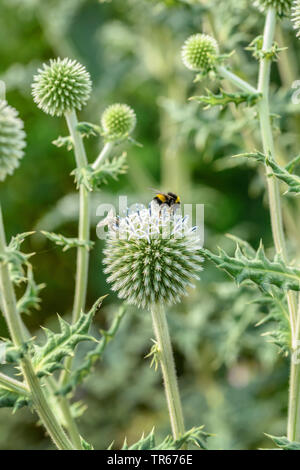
[[161, 197], [177, 200]]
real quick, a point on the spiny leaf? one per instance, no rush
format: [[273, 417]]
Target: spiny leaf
[[47, 358], [88, 129], [85, 445], [15, 258], [257, 269], [13, 400], [195, 435], [93, 179], [284, 443], [11, 354], [277, 313], [64, 142], [30, 299], [224, 98], [67, 243], [78, 375], [282, 173], [256, 46]]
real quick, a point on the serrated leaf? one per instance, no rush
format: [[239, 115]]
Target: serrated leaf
[[85, 445], [66, 242], [11, 354], [48, 358], [78, 375], [93, 179], [64, 142], [87, 129], [13, 400], [195, 435], [257, 269], [30, 299], [277, 306], [282, 173], [284, 443], [15, 258], [224, 98]]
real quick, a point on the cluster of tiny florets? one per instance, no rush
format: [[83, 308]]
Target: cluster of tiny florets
[[199, 53], [118, 121], [296, 16], [282, 7], [12, 139], [63, 85], [152, 256]]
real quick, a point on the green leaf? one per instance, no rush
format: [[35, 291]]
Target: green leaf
[[78, 375], [30, 299], [224, 98], [13, 400], [11, 354], [284, 443], [48, 358], [278, 314], [15, 259], [67, 243], [93, 179], [64, 142], [87, 129], [85, 445], [282, 173], [256, 268], [195, 436]]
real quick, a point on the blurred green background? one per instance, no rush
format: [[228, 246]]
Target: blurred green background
[[231, 379]]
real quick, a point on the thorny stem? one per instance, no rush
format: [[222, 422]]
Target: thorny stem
[[161, 331], [16, 331]]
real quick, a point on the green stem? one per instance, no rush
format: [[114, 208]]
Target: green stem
[[276, 212], [13, 385], [237, 81], [16, 331], [82, 264], [106, 151], [84, 221], [168, 370]]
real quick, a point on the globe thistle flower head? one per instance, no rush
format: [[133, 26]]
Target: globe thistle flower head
[[118, 121], [199, 53], [62, 85], [152, 256], [12, 140], [296, 16], [282, 7]]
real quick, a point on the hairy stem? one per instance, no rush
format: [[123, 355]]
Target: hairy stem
[[237, 81], [16, 331], [161, 331], [275, 209]]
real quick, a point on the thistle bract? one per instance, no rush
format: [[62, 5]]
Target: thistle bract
[[12, 139], [296, 16], [152, 256], [199, 53], [118, 121], [282, 7], [63, 85]]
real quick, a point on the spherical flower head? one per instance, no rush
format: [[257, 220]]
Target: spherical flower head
[[118, 121], [152, 256], [12, 140], [296, 16], [62, 86], [199, 53], [282, 7]]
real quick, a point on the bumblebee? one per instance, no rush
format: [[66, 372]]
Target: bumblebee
[[169, 199]]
